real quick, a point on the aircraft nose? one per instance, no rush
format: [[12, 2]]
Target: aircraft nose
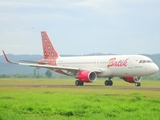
[[155, 68], [151, 69]]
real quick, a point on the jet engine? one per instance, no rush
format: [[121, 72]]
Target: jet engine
[[87, 76], [132, 79]]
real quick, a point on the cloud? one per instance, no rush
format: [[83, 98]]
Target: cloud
[[32, 10], [100, 6], [15, 37], [108, 22], [11, 4], [71, 9], [112, 7], [35, 3]]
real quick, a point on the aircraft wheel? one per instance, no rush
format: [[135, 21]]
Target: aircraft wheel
[[108, 83], [79, 83], [138, 84]]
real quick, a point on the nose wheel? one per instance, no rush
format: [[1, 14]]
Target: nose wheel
[[137, 84], [108, 83]]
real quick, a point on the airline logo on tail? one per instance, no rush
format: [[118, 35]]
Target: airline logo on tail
[[48, 49]]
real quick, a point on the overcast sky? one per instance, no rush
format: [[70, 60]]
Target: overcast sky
[[81, 26]]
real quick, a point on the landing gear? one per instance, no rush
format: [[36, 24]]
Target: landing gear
[[79, 83], [137, 84], [108, 83]]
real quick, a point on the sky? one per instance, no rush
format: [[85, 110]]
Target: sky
[[80, 27]]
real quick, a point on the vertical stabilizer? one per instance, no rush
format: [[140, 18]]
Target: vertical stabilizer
[[48, 49]]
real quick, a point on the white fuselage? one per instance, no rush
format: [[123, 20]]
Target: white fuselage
[[111, 65]]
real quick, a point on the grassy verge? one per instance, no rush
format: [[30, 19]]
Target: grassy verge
[[70, 103]]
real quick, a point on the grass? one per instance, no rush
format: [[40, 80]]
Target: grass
[[71, 102]]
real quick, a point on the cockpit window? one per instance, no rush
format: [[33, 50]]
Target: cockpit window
[[148, 61], [145, 61]]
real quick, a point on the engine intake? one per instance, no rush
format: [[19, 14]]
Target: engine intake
[[87, 76]]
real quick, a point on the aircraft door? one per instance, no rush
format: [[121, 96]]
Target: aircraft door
[[130, 62], [130, 66]]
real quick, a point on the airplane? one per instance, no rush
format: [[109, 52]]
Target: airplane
[[86, 69]]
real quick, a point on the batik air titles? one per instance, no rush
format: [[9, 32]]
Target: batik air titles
[[86, 69]]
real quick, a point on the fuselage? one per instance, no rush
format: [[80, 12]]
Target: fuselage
[[111, 65]]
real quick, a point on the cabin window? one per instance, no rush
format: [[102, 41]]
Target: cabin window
[[145, 61]]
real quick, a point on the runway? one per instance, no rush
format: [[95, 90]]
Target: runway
[[73, 86]]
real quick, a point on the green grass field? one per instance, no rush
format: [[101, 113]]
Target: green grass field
[[91, 101]]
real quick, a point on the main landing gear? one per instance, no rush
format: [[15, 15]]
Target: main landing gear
[[108, 82], [79, 83]]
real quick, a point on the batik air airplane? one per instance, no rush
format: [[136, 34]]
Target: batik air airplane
[[87, 69]]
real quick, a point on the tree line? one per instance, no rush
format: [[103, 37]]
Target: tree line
[[48, 74]]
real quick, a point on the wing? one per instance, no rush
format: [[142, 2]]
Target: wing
[[69, 69]]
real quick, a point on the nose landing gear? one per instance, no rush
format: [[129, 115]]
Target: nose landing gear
[[137, 84]]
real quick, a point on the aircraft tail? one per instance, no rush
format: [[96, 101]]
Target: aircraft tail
[[48, 49]]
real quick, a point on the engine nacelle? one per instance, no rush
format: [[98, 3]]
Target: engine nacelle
[[132, 79], [87, 76]]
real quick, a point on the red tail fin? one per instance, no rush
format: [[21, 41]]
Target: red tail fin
[[48, 49]]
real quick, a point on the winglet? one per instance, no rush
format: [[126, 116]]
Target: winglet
[[7, 58]]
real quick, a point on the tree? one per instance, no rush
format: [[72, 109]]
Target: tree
[[48, 73], [4, 76]]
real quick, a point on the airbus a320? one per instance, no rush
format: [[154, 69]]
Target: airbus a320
[[86, 69]]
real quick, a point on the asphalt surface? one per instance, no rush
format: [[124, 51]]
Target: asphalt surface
[[73, 86]]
